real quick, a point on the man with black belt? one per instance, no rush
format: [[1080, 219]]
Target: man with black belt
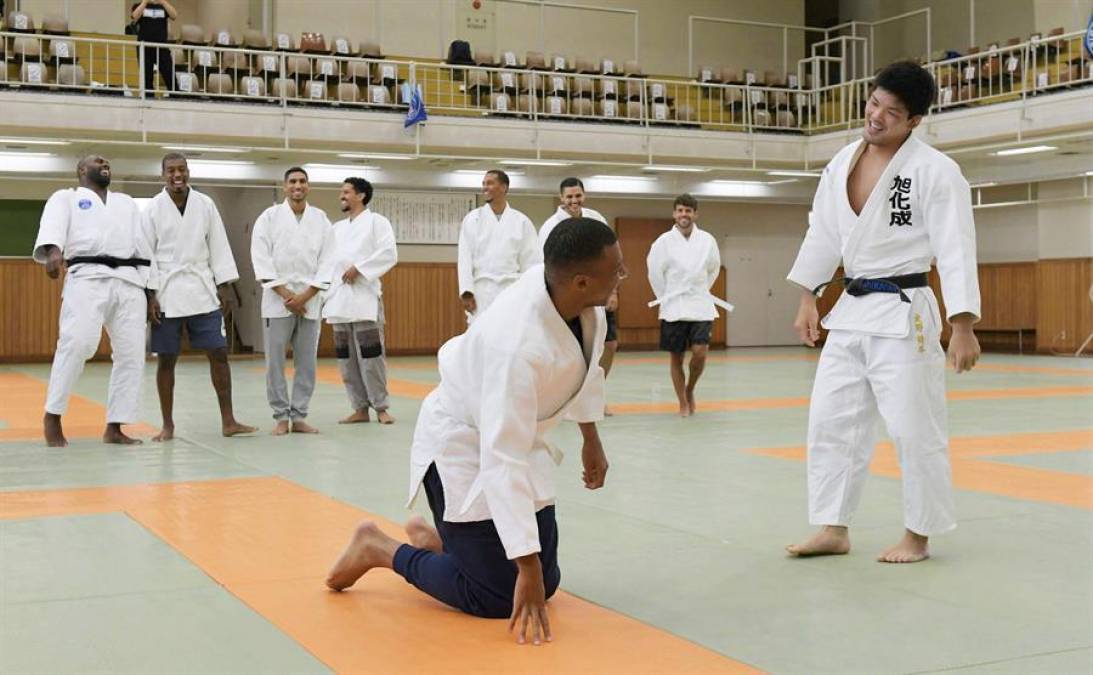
[[886, 205], [150, 18], [96, 234]]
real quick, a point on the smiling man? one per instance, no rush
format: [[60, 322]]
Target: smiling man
[[497, 244], [886, 206], [96, 235]]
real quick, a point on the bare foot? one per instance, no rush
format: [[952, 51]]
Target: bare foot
[[165, 434], [234, 428], [302, 427], [385, 417], [830, 540], [691, 402], [281, 428], [684, 408], [607, 412], [912, 548], [51, 427], [114, 435], [358, 417], [368, 548], [423, 535]]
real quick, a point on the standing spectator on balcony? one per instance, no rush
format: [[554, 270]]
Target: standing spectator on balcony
[[150, 18]]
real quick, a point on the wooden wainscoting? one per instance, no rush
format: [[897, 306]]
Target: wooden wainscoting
[[1064, 308]]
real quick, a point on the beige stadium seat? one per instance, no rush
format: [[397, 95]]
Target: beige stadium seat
[[634, 89], [509, 60], [342, 46], [685, 112], [349, 92], [555, 105], [315, 90], [730, 76], [26, 49], [582, 107], [607, 88], [19, 22], [632, 69], [485, 59], [385, 73], [254, 87], [506, 82], [223, 37], [255, 39], [62, 51], [283, 87], [559, 64], [180, 58], [3, 69], [532, 82], [528, 103], [234, 62], [193, 34], [358, 72], [220, 83], [501, 103], [379, 95], [34, 73], [267, 65], [733, 97], [708, 74], [298, 67], [607, 108], [608, 67], [657, 92], [761, 118], [535, 61], [327, 68], [53, 24], [585, 66], [371, 50], [583, 87], [203, 61], [313, 43], [773, 79], [283, 42], [188, 83], [785, 119], [557, 85], [660, 112]]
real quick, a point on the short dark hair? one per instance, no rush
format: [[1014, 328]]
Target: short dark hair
[[362, 186], [170, 157], [910, 83], [296, 169], [501, 176], [686, 199], [576, 240], [570, 182]]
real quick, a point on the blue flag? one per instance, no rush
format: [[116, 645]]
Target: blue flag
[[416, 113]]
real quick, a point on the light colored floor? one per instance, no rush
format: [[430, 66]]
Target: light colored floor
[[188, 557]]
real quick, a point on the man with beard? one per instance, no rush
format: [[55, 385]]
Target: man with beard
[[354, 304], [292, 250], [96, 235], [196, 270], [497, 244]]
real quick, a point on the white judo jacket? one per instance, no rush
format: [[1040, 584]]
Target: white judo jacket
[[682, 270], [192, 253], [560, 215], [366, 242], [292, 253], [494, 252], [79, 223], [515, 373], [919, 210]]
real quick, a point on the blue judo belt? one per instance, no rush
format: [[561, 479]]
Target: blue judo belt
[[897, 285]]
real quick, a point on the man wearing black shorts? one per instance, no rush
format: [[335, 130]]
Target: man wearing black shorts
[[683, 265]]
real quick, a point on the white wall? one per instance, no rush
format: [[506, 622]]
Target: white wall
[[1066, 228], [1007, 233]]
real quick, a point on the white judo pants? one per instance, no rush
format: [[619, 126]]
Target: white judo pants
[[901, 381], [89, 305], [485, 292]]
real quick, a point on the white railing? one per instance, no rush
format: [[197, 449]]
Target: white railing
[[804, 103]]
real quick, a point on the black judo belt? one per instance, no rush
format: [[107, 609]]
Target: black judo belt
[[898, 284], [108, 260]]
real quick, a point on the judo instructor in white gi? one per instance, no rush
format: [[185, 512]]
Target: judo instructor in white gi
[[96, 235], [886, 205], [480, 451]]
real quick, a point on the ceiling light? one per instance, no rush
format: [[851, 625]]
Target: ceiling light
[[739, 182], [534, 162], [798, 174], [482, 172], [334, 173], [30, 141], [983, 185], [31, 162], [202, 148], [18, 155], [1089, 173], [217, 168], [375, 155], [669, 167], [630, 178], [1025, 151]]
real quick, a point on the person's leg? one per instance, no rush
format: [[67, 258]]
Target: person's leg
[[165, 385], [349, 367], [82, 310], [305, 356], [278, 333], [673, 340], [842, 430], [908, 376], [167, 68], [369, 339], [610, 348], [125, 317], [149, 55], [207, 333], [700, 346]]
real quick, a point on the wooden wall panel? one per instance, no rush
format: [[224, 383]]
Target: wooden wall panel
[[1064, 308]]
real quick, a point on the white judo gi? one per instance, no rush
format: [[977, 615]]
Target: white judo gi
[[192, 253], [355, 310], [883, 356], [515, 373], [682, 270], [493, 253], [95, 296], [560, 215], [296, 254]]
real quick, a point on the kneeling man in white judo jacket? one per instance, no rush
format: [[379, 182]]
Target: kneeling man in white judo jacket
[[292, 250], [497, 244], [96, 234], [480, 451], [886, 205]]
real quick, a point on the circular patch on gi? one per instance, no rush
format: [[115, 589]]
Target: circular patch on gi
[[85, 204]]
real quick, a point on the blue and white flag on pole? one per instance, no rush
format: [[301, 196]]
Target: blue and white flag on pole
[[416, 113]]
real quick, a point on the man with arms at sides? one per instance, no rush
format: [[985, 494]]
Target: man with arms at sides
[[480, 451], [497, 244], [96, 235], [292, 250], [196, 269], [365, 251], [887, 205], [572, 195], [683, 265]]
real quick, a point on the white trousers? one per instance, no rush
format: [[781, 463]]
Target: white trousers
[[485, 292], [901, 381], [87, 307]]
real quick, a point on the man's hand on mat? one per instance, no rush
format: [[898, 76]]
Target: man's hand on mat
[[529, 602], [595, 463]]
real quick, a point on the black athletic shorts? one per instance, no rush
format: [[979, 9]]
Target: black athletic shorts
[[678, 336]]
